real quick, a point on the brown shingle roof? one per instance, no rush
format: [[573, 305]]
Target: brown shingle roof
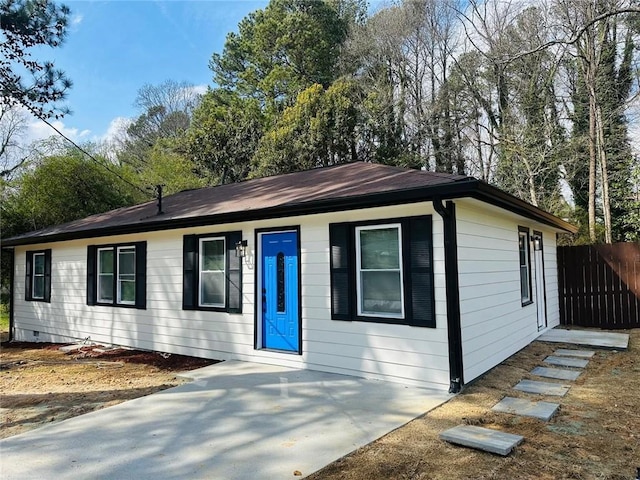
[[328, 189]]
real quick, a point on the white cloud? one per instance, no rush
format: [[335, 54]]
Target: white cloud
[[200, 89], [38, 130], [76, 20], [115, 129]]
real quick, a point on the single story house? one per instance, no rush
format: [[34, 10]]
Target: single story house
[[362, 269]]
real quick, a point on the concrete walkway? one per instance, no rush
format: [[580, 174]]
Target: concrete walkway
[[237, 420], [591, 338]]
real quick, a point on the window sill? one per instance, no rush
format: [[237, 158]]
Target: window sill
[[528, 302], [211, 309], [387, 320], [40, 300], [118, 305]]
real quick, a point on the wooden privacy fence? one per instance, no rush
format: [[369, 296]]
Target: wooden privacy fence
[[600, 285]]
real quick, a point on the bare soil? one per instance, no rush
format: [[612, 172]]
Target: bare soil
[[39, 384], [595, 435]]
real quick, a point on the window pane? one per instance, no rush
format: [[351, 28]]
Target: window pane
[[38, 287], [523, 251], [38, 264], [212, 255], [524, 283], [381, 292], [126, 261], [212, 288], [105, 288], [280, 295], [105, 261], [127, 290], [379, 249]]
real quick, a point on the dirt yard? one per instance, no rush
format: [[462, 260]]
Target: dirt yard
[[596, 434], [39, 384]]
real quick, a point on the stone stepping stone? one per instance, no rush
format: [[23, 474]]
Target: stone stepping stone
[[566, 361], [480, 438], [527, 408], [542, 388], [565, 352], [557, 373]]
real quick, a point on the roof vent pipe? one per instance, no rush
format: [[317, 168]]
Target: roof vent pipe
[[159, 197]]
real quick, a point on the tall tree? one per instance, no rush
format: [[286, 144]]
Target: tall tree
[[166, 111], [601, 88], [60, 188], [532, 137], [278, 52], [26, 24], [319, 130], [13, 151], [224, 135], [283, 49]]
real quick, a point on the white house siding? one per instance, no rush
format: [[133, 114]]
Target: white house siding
[[494, 323], [398, 353]]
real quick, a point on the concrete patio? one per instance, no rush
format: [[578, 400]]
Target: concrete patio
[[236, 420]]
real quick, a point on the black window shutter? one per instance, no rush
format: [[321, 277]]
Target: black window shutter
[[28, 283], [418, 266], [234, 274], [141, 275], [342, 281], [189, 272], [91, 275], [47, 275]]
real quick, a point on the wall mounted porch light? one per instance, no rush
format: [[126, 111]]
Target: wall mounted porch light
[[537, 242], [241, 249]]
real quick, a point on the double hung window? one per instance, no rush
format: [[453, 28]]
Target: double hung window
[[379, 271], [116, 275], [212, 272], [382, 271], [38, 276], [525, 265]]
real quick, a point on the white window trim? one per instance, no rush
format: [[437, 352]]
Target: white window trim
[[35, 275], [200, 270], [359, 270], [527, 264], [99, 275], [119, 300]]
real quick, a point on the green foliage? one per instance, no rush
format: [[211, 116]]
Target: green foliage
[[166, 166], [4, 318], [224, 135], [26, 24], [166, 111], [283, 49], [318, 130], [529, 166], [59, 189], [627, 223], [614, 78]]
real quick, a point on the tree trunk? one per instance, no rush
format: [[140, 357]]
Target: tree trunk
[[592, 169], [602, 155]]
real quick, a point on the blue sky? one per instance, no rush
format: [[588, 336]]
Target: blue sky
[[115, 47]]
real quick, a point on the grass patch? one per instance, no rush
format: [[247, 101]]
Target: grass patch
[[4, 320]]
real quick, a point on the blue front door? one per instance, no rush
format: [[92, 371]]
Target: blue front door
[[280, 319]]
